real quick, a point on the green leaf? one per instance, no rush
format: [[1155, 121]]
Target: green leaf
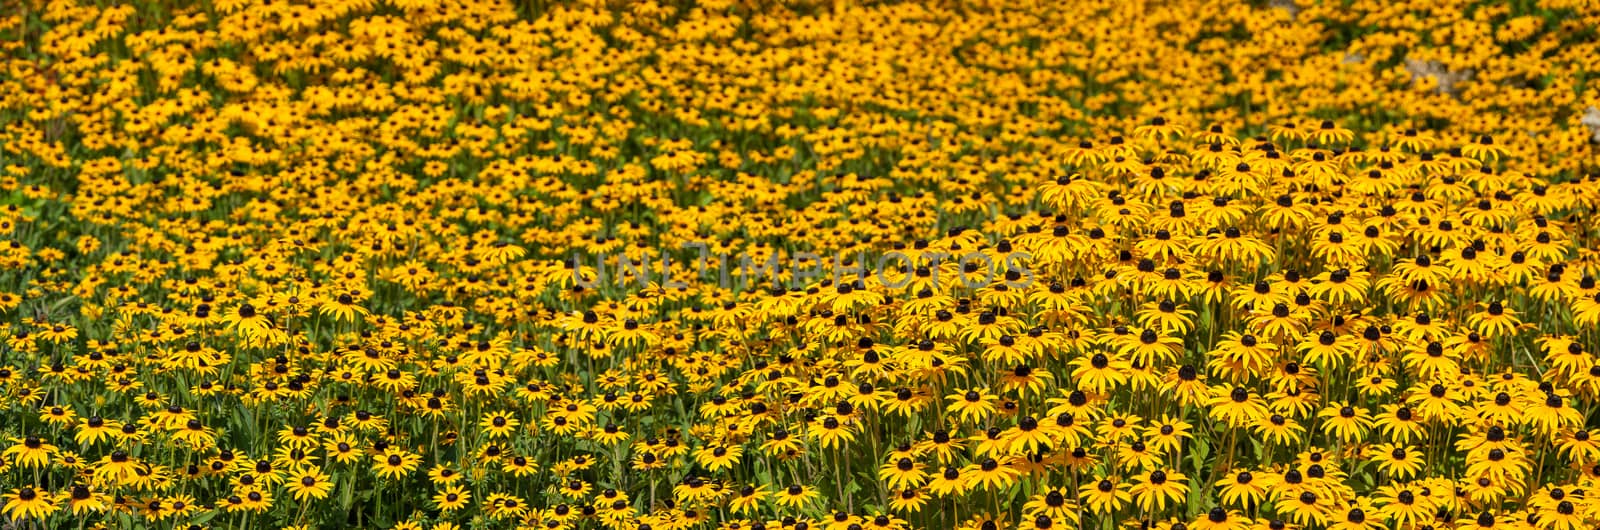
[[852, 486], [346, 498], [1196, 501], [203, 517], [1197, 457]]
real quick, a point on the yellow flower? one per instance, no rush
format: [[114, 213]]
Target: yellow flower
[[30, 452], [452, 498], [394, 463], [309, 483], [498, 424], [28, 503]]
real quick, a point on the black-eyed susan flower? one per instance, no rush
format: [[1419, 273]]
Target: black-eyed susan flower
[[360, 246], [908, 500], [452, 498], [29, 503], [308, 484], [82, 500], [796, 496], [748, 499], [30, 452], [1104, 496], [498, 424], [393, 463]]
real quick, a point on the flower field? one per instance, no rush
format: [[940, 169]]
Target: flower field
[[800, 264]]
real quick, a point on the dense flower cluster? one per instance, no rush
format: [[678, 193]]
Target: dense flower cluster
[[311, 262]]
